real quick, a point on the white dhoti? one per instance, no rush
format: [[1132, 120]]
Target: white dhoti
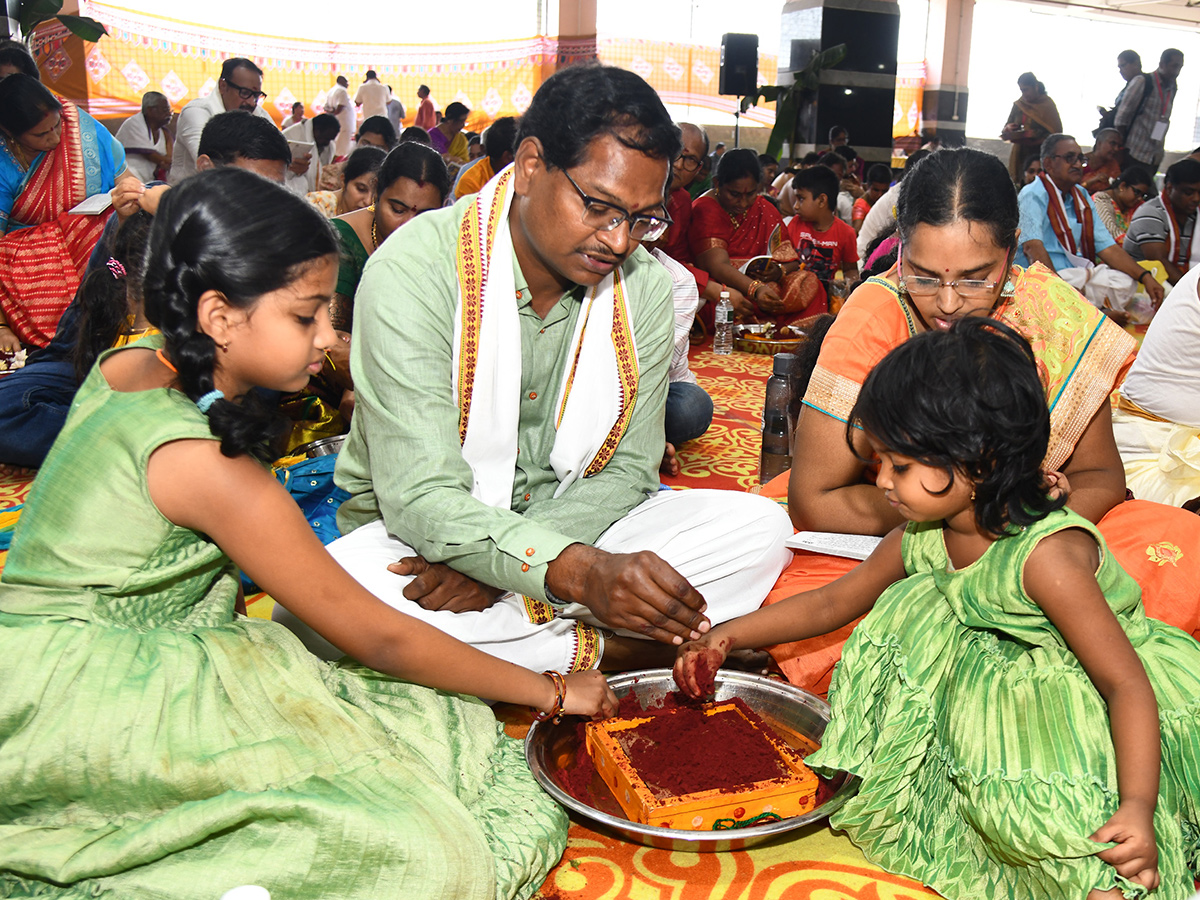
[[1161, 459], [1105, 287], [729, 546]]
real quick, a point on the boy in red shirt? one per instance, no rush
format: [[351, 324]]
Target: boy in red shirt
[[823, 242]]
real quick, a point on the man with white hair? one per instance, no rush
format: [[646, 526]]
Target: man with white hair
[[145, 137]]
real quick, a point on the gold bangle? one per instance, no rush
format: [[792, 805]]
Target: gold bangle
[[755, 284]]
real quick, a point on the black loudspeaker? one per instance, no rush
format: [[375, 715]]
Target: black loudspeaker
[[739, 64]]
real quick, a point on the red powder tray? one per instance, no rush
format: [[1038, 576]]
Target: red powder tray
[[790, 794]]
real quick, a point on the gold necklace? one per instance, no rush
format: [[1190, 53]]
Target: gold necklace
[[374, 230], [18, 152]]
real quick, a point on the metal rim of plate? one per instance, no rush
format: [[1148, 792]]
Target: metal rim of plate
[[654, 683]]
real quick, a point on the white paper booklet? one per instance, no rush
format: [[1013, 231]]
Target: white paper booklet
[[93, 205], [851, 546]]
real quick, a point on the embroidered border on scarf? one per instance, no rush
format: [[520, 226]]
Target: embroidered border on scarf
[[575, 362], [539, 612], [587, 648], [627, 371], [1080, 353], [474, 248]]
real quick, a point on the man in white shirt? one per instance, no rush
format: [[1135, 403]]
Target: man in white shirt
[[240, 87], [337, 103], [145, 138], [304, 174], [372, 96]]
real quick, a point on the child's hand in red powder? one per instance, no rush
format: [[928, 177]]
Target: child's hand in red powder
[[696, 665], [588, 694]]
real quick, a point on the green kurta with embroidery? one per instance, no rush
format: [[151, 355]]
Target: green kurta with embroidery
[[983, 746], [414, 474], [152, 744]]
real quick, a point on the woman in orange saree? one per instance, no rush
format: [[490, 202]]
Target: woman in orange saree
[[52, 156], [734, 223], [957, 222]]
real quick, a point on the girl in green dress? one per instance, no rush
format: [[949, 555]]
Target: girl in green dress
[[152, 743], [1021, 728]]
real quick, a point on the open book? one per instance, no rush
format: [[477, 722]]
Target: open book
[[93, 205], [851, 546]]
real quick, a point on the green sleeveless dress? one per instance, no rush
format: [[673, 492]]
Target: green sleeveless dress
[[984, 748], [153, 745]]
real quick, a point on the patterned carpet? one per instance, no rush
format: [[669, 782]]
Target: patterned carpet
[[814, 863]]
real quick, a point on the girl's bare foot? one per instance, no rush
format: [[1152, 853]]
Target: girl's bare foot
[[11, 472]]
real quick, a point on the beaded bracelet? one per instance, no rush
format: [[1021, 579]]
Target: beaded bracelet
[[560, 697]]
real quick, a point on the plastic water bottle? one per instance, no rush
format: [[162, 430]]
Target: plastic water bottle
[[723, 326], [776, 434]]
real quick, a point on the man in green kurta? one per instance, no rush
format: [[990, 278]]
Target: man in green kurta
[[511, 376]]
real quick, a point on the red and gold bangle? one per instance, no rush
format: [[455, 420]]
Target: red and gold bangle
[[755, 284], [560, 697]]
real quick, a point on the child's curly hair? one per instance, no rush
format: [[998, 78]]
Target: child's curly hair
[[969, 401]]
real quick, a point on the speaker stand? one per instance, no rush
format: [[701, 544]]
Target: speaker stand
[[737, 112]]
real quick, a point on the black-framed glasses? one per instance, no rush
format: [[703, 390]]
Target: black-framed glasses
[[602, 216], [689, 163], [1071, 158], [244, 92], [968, 288]]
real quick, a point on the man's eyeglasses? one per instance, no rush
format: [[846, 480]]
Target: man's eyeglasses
[[601, 216], [1071, 158], [968, 289], [689, 163], [245, 93]]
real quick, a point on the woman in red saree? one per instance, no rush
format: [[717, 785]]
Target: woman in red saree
[[957, 223], [52, 156], [733, 223]]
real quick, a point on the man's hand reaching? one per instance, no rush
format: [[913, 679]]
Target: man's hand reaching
[[636, 592]]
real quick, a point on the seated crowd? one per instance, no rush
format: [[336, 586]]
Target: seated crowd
[[498, 326]]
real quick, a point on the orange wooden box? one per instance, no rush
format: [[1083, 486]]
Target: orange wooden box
[[787, 796]]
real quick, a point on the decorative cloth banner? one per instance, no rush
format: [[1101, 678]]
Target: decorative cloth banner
[[497, 78]]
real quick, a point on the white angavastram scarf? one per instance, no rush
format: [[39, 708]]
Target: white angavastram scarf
[[599, 386]]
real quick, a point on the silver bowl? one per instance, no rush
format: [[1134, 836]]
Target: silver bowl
[[326, 446], [798, 716]]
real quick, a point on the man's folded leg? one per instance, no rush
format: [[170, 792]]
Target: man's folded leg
[[506, 630], [728, 545]]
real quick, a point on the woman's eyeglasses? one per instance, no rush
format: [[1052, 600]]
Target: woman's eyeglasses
[[968, 288], [601, 216]]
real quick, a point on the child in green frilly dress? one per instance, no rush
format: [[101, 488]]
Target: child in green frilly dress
[[1021, 728]]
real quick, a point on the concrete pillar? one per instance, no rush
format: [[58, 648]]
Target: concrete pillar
[[947, 57], [572, 23]]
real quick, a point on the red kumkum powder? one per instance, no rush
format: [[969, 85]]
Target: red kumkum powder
[[687, 751]]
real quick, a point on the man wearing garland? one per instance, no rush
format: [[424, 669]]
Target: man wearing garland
[[1164, 228], [511, 364]]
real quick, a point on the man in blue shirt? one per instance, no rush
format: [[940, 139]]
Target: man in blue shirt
[[1060, 229]]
